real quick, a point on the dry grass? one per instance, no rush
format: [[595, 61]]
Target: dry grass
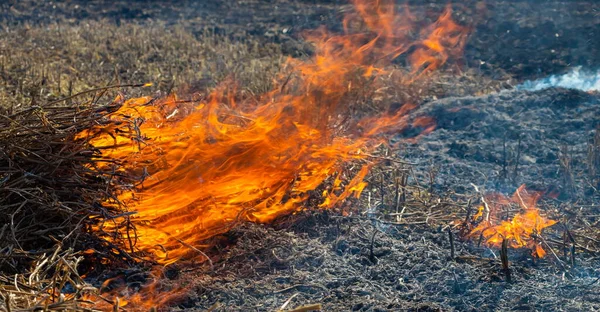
[[48, 185], [43, 63], [39, 289]]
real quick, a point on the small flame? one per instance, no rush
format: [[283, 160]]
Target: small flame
[[523, 230]]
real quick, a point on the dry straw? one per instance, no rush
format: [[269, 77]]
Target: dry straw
[[51, 193]]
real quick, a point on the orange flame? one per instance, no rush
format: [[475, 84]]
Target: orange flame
[[522, 230], [209, 164], [88, 298]]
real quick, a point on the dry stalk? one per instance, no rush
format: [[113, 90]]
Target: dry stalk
[[305, 308], [486, 206], [37, 289], [593, 160], [451, 239], [504, 259]]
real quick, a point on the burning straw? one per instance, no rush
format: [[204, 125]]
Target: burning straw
[[42, 288], [203, 166], [523, 229], [50, 186], [47, 187]]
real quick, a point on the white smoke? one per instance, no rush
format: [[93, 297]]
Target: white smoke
[[576, 79]]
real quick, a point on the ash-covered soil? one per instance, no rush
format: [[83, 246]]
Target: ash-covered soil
[[505, 139], [349, 264]]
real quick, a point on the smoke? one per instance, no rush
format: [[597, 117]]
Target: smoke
[[576, 79]]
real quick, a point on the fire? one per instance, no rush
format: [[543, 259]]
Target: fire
[[206, 165], [523, 230]]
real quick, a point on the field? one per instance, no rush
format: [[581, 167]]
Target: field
[[406, 244]]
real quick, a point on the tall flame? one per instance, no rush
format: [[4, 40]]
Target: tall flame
[[523, 230], [211, 163]]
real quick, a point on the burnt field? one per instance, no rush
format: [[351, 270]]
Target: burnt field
[[435, 182]]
